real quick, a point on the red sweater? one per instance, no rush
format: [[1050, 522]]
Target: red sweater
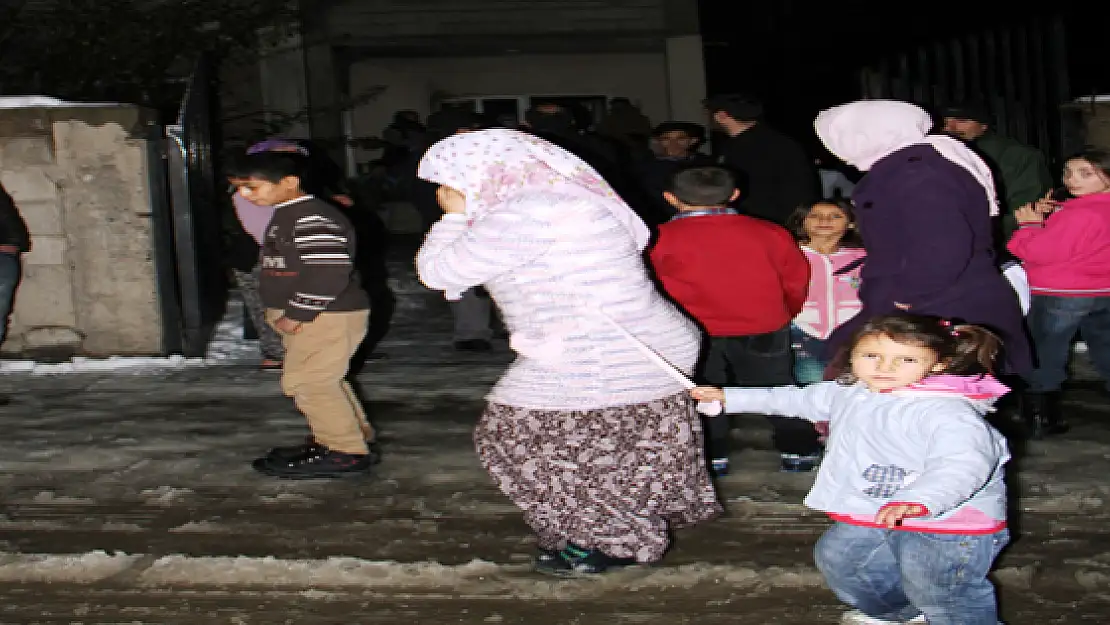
[[737, 275]]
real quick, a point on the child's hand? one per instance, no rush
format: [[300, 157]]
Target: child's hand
[[892, 514], [708, 393], [286, 325]]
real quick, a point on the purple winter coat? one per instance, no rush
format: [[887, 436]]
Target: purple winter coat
[[927, 229]]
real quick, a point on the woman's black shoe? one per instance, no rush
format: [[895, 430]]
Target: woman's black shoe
[[574, 560]]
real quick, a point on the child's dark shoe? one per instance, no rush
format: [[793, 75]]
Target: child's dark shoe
[[795, 463], [318, 462], [295, 452]]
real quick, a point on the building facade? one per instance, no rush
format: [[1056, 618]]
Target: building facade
[[493, 54]]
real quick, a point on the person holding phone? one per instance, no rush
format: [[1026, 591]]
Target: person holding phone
[[1065, 247]]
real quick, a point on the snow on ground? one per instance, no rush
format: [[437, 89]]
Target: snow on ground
[[144, 481]]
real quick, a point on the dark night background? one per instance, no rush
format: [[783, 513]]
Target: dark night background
[[801, 57]]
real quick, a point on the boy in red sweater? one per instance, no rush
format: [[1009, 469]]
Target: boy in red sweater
[[743, 279]]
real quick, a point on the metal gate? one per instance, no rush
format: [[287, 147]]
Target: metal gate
[[195, 216], [1018, 70]]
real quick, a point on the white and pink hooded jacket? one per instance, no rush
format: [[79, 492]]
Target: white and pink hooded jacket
[[927, 444], [832, 299]]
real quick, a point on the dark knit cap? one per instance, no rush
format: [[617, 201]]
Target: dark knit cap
[[975, 111]]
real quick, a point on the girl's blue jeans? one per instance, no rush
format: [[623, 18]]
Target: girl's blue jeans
[[809, 357], [897, 575], [1053, 323]]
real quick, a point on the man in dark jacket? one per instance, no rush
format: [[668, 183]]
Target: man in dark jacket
[[1020, 173], [609, 158], [15, 240], [775, 174]]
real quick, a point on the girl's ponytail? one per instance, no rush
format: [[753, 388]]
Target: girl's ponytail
[[974, 348]]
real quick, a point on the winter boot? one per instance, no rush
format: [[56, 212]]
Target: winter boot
[[1041, 414]]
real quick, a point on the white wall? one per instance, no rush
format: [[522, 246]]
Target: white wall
[[411, 82]]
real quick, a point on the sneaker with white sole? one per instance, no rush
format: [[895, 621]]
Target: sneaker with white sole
[[855, 617]]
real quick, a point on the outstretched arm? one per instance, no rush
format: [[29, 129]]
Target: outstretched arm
[[813, 403]]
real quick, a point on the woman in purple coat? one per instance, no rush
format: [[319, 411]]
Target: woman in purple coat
[[924, 211]]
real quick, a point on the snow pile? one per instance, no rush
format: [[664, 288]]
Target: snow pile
[[80, 569], [41, 101], [332, 572], [227, 347]]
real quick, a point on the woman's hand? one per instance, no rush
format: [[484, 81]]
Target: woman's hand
[[1029, 215], [1035, 212], [708, 393], [892, 514]]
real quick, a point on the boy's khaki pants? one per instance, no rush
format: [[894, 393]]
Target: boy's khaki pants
[[316, 362]]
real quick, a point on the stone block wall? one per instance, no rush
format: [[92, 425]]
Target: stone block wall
[[81, 178]]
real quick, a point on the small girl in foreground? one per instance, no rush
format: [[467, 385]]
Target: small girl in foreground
[[912, 472]]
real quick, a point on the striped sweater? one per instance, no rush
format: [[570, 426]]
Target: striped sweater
[[558, 267], [307, 261]]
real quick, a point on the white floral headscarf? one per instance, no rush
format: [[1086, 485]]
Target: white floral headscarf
[[861, 133], [491, 166]]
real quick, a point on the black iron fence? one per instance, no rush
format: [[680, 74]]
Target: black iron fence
[[1018, 70], [192, 229]]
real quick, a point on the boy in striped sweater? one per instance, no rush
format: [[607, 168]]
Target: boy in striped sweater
[[314, 300]]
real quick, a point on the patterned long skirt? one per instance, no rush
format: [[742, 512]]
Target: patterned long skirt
[[615, 479]]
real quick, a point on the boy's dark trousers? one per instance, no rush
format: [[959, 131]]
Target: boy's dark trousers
[[754, 361]]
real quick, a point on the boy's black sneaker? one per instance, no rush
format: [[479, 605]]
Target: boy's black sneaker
[[310, 446], [574, 560], [316, 463]]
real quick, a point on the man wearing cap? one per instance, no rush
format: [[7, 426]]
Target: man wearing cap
[[1020, 172], [775, 174]]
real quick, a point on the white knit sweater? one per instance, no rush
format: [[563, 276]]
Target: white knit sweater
[[551, 262]]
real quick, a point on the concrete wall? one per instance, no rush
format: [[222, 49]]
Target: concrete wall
[[80, 177], [386, 20]]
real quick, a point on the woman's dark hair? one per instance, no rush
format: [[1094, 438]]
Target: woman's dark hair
[[962, 349], [796, 222], [1098, 157]]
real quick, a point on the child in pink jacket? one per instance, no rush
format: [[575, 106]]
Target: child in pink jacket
[[826, 232], [1066, 251]]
